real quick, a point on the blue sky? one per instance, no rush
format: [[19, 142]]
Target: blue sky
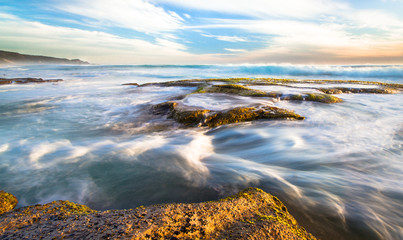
[[206, 31]]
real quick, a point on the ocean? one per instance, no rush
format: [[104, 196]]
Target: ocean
[[90, 139]]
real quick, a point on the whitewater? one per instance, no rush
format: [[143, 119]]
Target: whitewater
[[88, 140]]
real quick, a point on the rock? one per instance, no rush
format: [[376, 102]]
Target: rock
[[244, 114], [250, 214], [232, 89], [314, 97], [266, 81], [192, 117], [130, 84], [7, 202], [323, 98], [26, 80], [340, 90]]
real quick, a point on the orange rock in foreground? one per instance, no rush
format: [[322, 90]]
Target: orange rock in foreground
[[251, 214]]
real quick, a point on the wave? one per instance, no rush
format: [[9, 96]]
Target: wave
[[386, 73]]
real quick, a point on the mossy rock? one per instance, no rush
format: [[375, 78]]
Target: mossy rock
[[359, 90], [323, 98], [164, 108], [7, 202], [235, 89], [250, 214], [245, 114], [192, 117], [189, 117], [59, 208], [313, 97], [266, 81]]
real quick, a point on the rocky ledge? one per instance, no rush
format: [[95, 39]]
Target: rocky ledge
[[268, 89], [26, 80], [251, 214]]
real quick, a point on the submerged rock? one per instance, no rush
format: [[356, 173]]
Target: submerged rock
[[26, 80], [251, 214], [7, 202]]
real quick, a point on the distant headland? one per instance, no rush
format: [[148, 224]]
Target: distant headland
[[17, 58]]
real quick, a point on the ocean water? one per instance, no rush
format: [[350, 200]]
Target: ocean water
[[91, 140]]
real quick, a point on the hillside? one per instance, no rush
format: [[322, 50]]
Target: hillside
[[17, 58]]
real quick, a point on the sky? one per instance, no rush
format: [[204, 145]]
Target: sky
[[206, 31]]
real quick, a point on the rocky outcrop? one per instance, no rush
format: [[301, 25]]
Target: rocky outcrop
[[191, 117], [26, 80], [270, 81], [251, 214], [239, 87], [245, 89], [7, 202]]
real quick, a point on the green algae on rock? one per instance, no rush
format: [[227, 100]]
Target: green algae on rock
[[244, 114], [340, 90], [7, 202], [250, 214], [198, 116], [189, 117], [232, 89], [323, 98], [313, 97], [192, 117]]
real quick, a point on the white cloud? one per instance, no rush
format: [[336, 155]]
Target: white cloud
[[311, 42], [263, 8], [226, 38], [139, 15], [376, 19], [94, 46], [235, 50]]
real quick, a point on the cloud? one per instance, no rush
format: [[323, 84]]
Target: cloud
[[226, 38], [263, 8], [139, 15], [97, 47], [350, 37], [295, 31], [235, 50]]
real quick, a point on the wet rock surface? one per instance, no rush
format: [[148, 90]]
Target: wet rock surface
[[26, 80], [270, 81], [7, 202], [266, 89], [251, 214], [341, 90], [192, 117]]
